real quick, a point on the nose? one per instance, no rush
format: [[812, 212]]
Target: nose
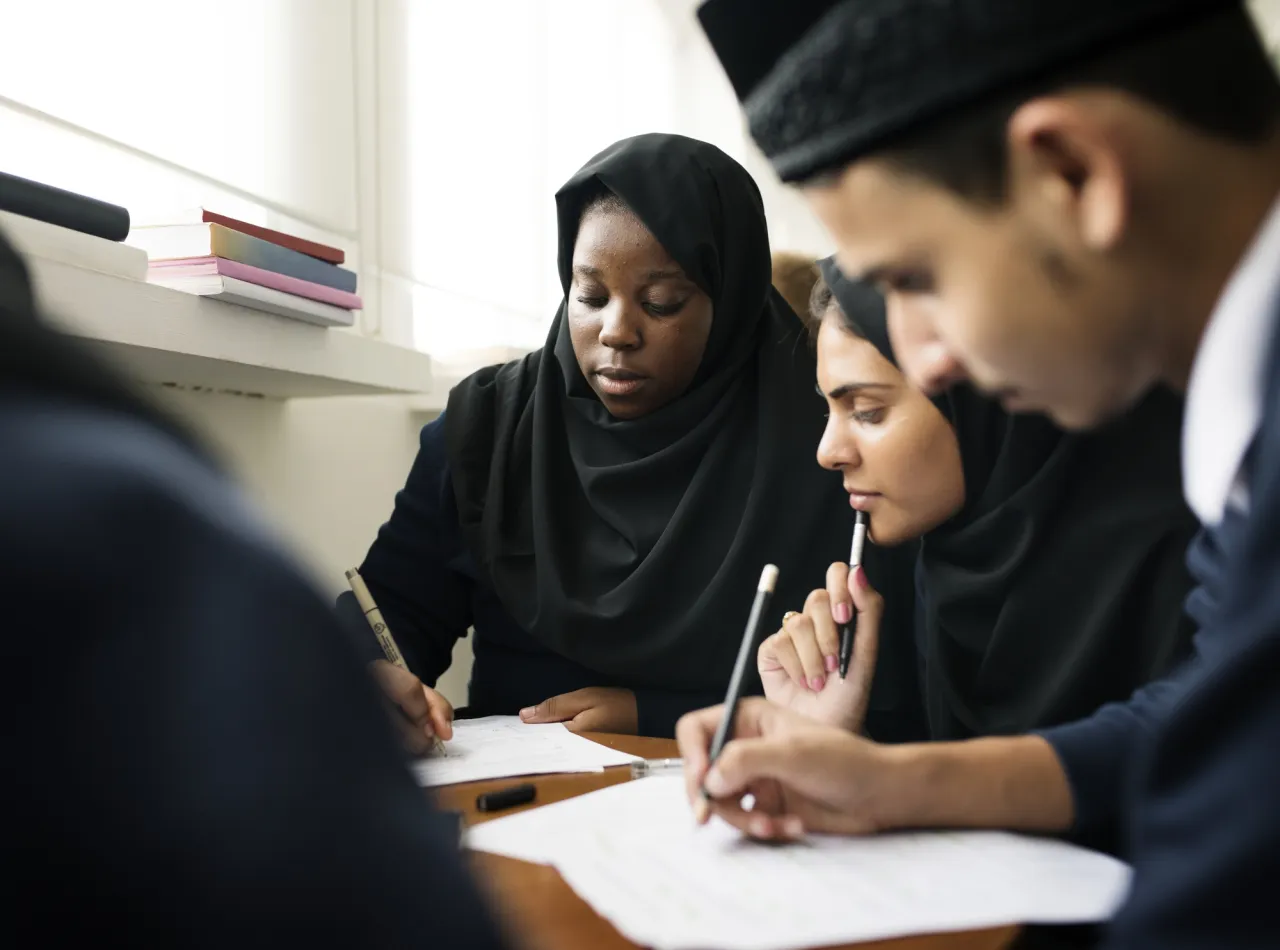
[[922, 356], [933, 368], [620, 326], [837, 449]]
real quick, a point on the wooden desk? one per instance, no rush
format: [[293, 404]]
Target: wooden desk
[[545, 914]]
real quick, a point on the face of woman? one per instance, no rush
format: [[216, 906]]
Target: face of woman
[[639, 325], [898, 454]]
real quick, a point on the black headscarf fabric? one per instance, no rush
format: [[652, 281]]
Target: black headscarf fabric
[[633, 547], [1059, 585]]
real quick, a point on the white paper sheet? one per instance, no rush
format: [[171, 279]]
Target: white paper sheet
[[633, 853], [502, 746]]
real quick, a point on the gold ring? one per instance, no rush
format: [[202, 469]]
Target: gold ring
[[788, 615]]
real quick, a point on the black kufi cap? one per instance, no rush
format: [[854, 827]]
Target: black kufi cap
[[824, 83]]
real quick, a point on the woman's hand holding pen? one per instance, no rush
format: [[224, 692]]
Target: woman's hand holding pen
[[804, 776], [798, 664], [423, 713]]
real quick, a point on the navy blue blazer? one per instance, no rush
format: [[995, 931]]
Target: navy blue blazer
[[194, 753], [1206, 812]]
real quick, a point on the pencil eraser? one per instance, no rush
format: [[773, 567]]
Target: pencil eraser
[[768, 578]]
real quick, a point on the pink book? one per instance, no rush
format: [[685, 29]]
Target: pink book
[[217, 266]]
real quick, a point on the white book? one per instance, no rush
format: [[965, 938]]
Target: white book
[[51, 242], [258, 298]]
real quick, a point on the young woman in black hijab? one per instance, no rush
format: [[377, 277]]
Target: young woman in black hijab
[[194, 751], [599, 511], [1049, 575]]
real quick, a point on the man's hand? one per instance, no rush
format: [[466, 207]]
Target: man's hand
[[595, 709], [804, 776], [799, 664], [423, 714]]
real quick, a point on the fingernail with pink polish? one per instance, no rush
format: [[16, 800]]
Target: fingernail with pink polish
[[843, 613], [817, 683], [832, 664]]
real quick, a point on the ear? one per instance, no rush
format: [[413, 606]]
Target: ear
[[1064, 154]]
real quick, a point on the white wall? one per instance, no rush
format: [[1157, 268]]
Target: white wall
[[323, 471]]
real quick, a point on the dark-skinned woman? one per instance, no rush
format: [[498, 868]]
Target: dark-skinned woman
[[599, 512]]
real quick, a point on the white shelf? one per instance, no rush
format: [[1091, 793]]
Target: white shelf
[[160, 335]]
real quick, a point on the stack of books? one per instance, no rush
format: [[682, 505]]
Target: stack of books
[[48, 223], [202, 252]]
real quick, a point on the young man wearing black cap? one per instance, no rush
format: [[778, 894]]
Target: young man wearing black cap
[[1068, 202]]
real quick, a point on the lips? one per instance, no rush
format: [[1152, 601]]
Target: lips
[[617, 381], [861, 500]]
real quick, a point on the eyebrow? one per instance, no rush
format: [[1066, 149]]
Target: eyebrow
[[584, 270], [851, 389]]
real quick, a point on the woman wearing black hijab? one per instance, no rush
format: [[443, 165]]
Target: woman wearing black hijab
[[194, 751], [600, 511], [1049, 572]]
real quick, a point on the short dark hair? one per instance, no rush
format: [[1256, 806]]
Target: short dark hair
[[1214, 75], [822, 302]]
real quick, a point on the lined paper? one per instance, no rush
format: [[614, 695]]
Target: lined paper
[[633, 852]]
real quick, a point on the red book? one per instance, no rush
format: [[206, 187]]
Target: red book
[[333, 255]]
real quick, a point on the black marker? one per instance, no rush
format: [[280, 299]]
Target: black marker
[[506, 798], [764, 593], [855, 559]]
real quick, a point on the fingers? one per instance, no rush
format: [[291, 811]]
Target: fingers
[[694, 732], [406, 691], [818, 608], [779, 653], [795, 650], [759, 824], [839, 593], [745, 762], [560, 708], [767, 819], [805, 638], [440, 712], [866, 643], [865, 597]]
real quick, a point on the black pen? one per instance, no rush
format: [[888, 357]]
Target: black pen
[[855, 559], [507, 797], [755, 623]]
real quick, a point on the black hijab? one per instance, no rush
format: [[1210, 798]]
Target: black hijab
[[1059, 585], [633, 547]]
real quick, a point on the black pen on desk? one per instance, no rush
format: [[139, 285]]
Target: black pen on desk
[[507, 797], [750, 636], [855, 561], [380, 630]]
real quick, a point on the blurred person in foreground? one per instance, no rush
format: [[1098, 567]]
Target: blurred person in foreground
[[196, 756]]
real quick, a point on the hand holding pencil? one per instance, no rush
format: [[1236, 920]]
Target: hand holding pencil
[[428, 715]]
